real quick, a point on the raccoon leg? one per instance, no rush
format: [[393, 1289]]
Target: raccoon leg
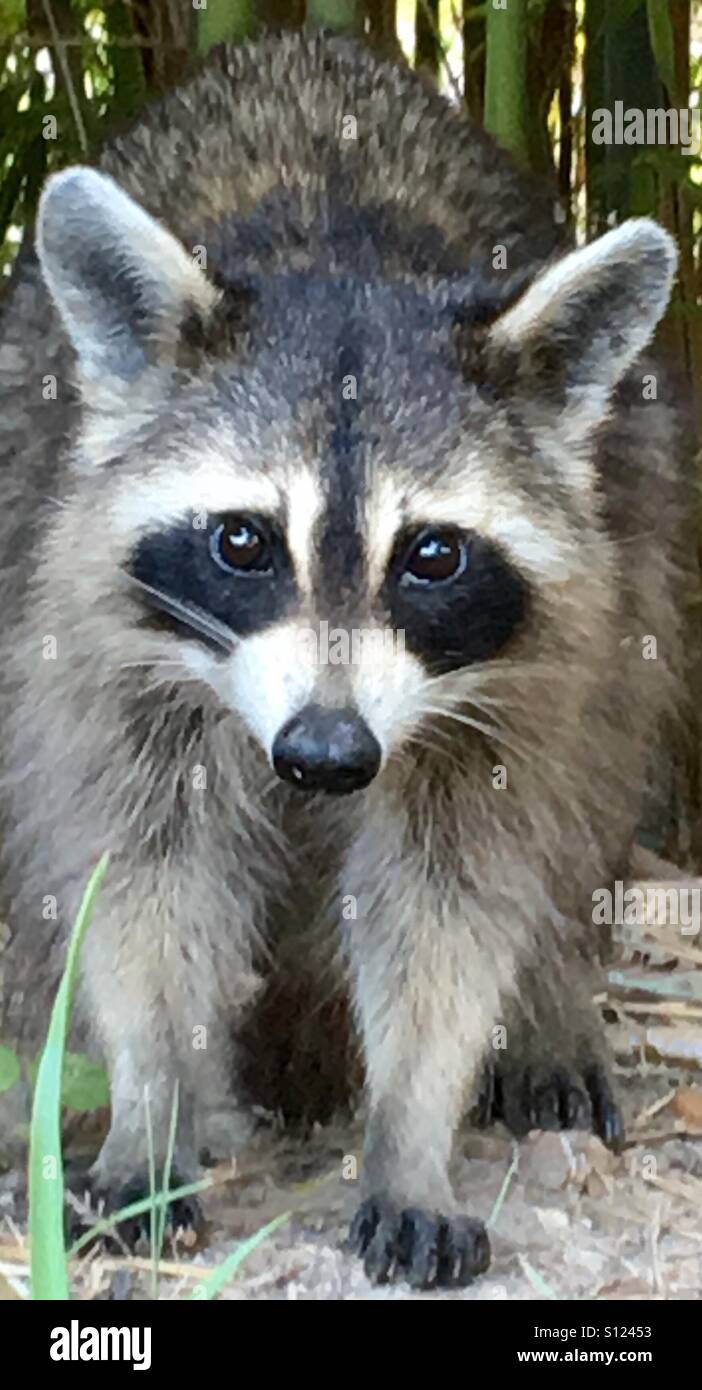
[[154, 991], [424, 1010], [139, 1044], [121, 1175], [554, 1071]]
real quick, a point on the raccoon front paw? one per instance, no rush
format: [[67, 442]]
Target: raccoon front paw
[[551, 1096], [184, 1217], [427, 1250]]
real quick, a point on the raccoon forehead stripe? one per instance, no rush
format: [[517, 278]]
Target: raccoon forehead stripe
[[469, 504], [544, 551], [304, 501], [186, 484], [384, 518], [341, 544]]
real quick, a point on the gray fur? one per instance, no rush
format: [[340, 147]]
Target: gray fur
[[220, 899]]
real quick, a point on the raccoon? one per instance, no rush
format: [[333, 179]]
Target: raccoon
[[305, 358]]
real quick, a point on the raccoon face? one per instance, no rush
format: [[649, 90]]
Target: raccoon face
[[342, 506]]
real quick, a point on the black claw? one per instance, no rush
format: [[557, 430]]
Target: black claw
[[465, 1253], [525, 1098], [488, 1100], [379, 1258], [607, 1117], [576, 1111], [425, 1249], [364, 1225], [184, 1214], [516, 1102], [418, 1248], [547, 1107]]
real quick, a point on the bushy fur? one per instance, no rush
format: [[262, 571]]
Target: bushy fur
[[224, 905]]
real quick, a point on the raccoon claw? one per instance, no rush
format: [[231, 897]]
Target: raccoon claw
[[559, 1103], [607, 1117], [565, 1099], [183, 1215], [553, 1102], [427, 1250]]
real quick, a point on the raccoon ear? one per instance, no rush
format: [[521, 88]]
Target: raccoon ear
[[583, 322], [121, 282]]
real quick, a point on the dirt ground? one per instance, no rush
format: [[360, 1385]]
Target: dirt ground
[[567, 1219], [573, 1221]]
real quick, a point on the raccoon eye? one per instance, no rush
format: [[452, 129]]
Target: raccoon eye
[[238, 544], [435, 557]]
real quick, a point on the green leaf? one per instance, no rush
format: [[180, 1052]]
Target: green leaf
[[346, 16], [9, 1068], [84, 1085], [49, 1273], [223, 20], [660, 30], [14, 15]]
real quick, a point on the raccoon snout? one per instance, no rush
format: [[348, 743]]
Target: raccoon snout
[[327, 750]]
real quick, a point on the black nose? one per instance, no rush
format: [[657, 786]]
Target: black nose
[[326, 750]]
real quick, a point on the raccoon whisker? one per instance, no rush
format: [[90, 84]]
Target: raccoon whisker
[[536, 760], [191, 616], [500, 671], [180, 679], [427, 745], [271, 786], [418, 740], [180, 672], [490, 730], [436, 733], [507, 692], [479, 699], [150, 662], [486, 674], [486, 703], [610, 543]]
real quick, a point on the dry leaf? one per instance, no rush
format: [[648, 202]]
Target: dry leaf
[[687, 1105]]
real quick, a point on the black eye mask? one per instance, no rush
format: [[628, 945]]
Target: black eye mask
[[465, 618], [184, 564]]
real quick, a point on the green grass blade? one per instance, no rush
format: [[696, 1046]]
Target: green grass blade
[[210, 1287], [166, 1179], [536, 1281], [152, 1190], [500, 1199], [49, 1272]]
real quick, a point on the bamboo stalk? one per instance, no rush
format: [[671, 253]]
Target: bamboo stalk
[[505, 77]]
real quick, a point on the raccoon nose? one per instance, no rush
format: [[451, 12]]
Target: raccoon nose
[[326, 750]]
